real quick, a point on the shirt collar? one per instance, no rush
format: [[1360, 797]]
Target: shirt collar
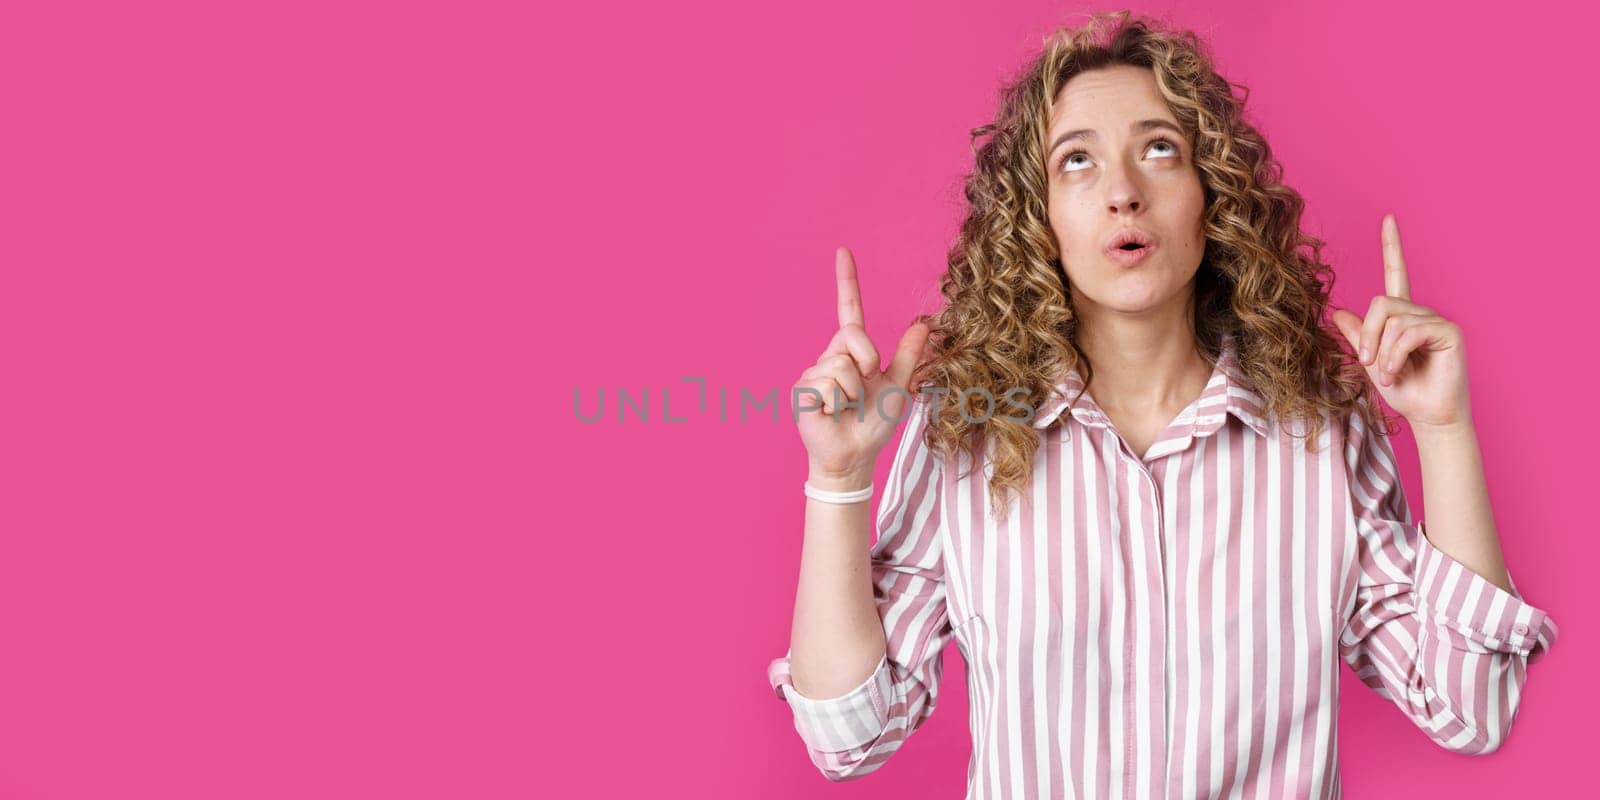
[[1228, 391]]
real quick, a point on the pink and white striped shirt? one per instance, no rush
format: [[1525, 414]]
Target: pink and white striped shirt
[[1170, 626]]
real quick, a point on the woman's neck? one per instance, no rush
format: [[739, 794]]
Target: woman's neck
[[1144, 365]]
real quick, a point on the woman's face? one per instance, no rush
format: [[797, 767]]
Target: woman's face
[[1117, 160]]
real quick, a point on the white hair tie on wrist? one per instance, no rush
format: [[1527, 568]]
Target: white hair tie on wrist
[[827, 496]]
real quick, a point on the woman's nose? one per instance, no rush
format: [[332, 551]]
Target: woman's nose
[[1123, 194]]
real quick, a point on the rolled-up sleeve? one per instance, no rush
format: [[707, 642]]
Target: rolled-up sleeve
[[1470, 613], [853, 734], [838, 724], [1447, 646]]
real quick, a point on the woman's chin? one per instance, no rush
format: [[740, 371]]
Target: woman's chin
[[1143, 301], [1137, 293]]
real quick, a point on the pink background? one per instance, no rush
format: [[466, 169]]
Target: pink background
[[297, 295]]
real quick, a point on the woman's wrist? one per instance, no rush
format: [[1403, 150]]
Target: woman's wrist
[[835, 481]]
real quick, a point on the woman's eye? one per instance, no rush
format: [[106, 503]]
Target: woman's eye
[[1171, 149], [1075, 161]]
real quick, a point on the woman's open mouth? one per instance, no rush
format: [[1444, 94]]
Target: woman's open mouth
[[1129, 245], [1130, 253]]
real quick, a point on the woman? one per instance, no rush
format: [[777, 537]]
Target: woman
[[1159, 566]]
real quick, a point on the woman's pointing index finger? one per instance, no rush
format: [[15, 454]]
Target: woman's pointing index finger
[[849, 289], [1395, 281]]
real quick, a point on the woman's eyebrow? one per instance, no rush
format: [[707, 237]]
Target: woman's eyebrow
[[1138, 127]]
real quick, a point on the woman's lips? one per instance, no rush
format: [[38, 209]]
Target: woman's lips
[[1129, 258]]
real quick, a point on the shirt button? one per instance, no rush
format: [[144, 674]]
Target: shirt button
[[1519, 629]]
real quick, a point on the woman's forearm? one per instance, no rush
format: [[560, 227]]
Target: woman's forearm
[[837, 638], [1460, 521]]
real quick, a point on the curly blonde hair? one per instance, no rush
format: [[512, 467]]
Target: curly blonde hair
[[1008, 320]]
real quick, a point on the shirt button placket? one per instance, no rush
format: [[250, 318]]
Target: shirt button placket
[[1159, 630], [1156, 552]]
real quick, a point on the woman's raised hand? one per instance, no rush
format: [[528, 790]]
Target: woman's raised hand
[[843, 444], [1415, 357]]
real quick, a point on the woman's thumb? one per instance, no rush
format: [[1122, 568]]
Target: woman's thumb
[[913, 345], [1350, 325]]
